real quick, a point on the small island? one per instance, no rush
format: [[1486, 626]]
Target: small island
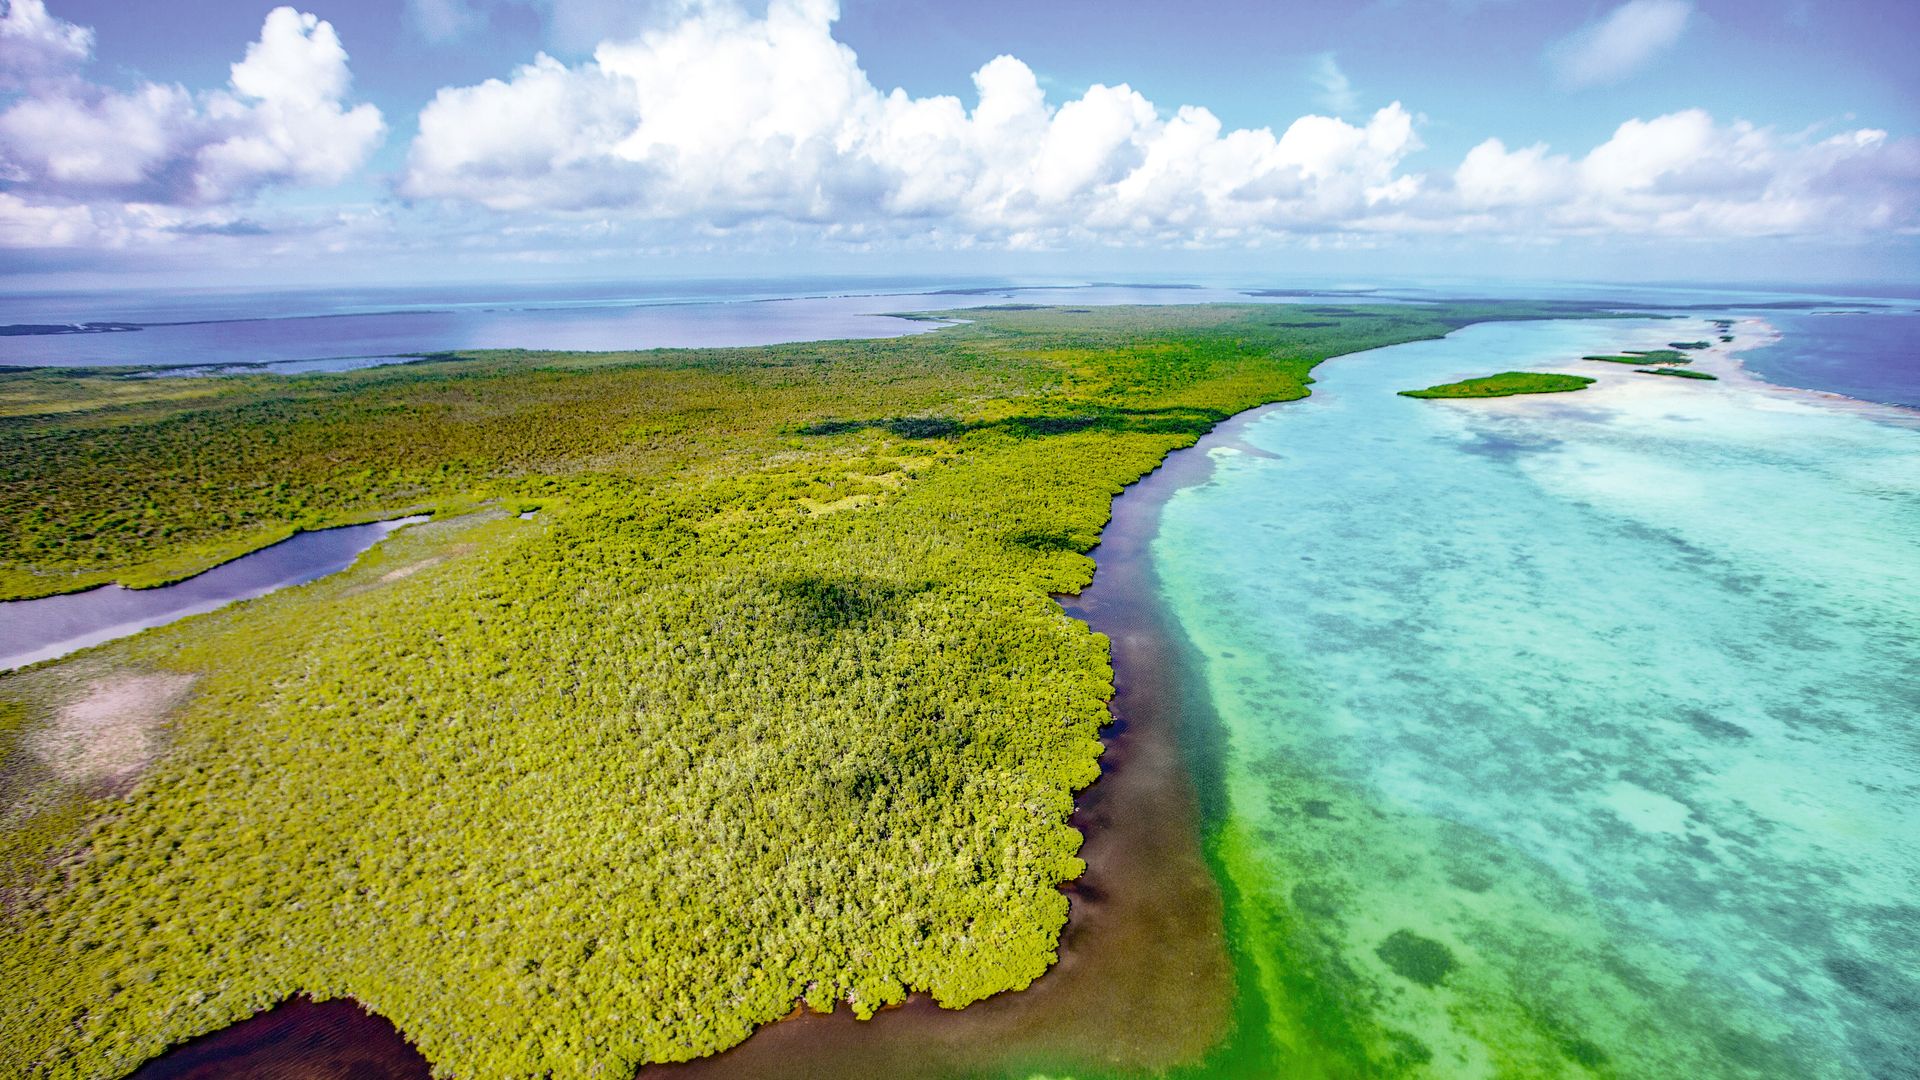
[[1505, 384], [1702, 344], [1644, 356], [46, 329], [1678, 372]]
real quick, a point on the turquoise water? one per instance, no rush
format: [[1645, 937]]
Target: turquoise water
[[1564, 735]]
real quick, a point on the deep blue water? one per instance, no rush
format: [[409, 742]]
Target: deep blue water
[[1870, 356]]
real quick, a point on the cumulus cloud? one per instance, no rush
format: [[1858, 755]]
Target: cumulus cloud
[[722, 118], [719, 129], [28, 225], [724, 122], [1684, 174], [36, 45], [1621, 43], [282, 119]]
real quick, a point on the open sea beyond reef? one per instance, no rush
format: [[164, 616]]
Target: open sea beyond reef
[[1558, 735]]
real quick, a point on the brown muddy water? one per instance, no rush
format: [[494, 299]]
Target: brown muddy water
[[1143, 982]]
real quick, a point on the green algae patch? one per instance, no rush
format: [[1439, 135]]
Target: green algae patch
[[1416, 959], [1505, 384], [1678, 373]]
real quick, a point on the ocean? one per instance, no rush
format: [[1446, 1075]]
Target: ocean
[[214, 332], [1860, 346], [1542, 736], [1570, 731]]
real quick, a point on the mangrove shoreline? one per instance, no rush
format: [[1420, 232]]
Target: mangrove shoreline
[[1054, 417]]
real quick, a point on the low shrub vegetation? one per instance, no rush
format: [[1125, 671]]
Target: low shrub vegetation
[[769, 703]]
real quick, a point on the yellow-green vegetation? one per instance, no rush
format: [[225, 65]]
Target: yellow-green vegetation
[[1505, 384], [1646, 356], [1679, 373], [769, 703], [40, 812]]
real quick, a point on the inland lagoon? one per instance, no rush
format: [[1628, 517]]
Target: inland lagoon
[[50, 626]]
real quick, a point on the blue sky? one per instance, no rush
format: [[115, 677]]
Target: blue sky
[[1769, 139]]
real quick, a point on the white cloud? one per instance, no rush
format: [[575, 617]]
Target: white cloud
[[722, 131], [282, 120], [1621, 43], [723, 118], [1493, 176], [1336, 91], [35, 44], [726, 125], [1683, 174], [26, 225], [727, 122]]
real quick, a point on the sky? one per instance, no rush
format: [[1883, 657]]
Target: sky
[[227, 142]]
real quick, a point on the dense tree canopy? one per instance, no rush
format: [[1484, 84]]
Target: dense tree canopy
[[769, 703]]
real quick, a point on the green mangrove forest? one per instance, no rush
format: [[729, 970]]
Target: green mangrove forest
[[769, 704], [1505, 384], [1645, 356]]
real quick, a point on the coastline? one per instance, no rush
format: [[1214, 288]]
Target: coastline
[[1162, 720], [1726, 361], [1766, 334], [1145, 979], [1112, 1000], [1084, 1014], [298, 1037], [1660, 503]]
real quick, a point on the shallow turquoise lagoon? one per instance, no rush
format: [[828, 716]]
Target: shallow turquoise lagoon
[[1571, 734]]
